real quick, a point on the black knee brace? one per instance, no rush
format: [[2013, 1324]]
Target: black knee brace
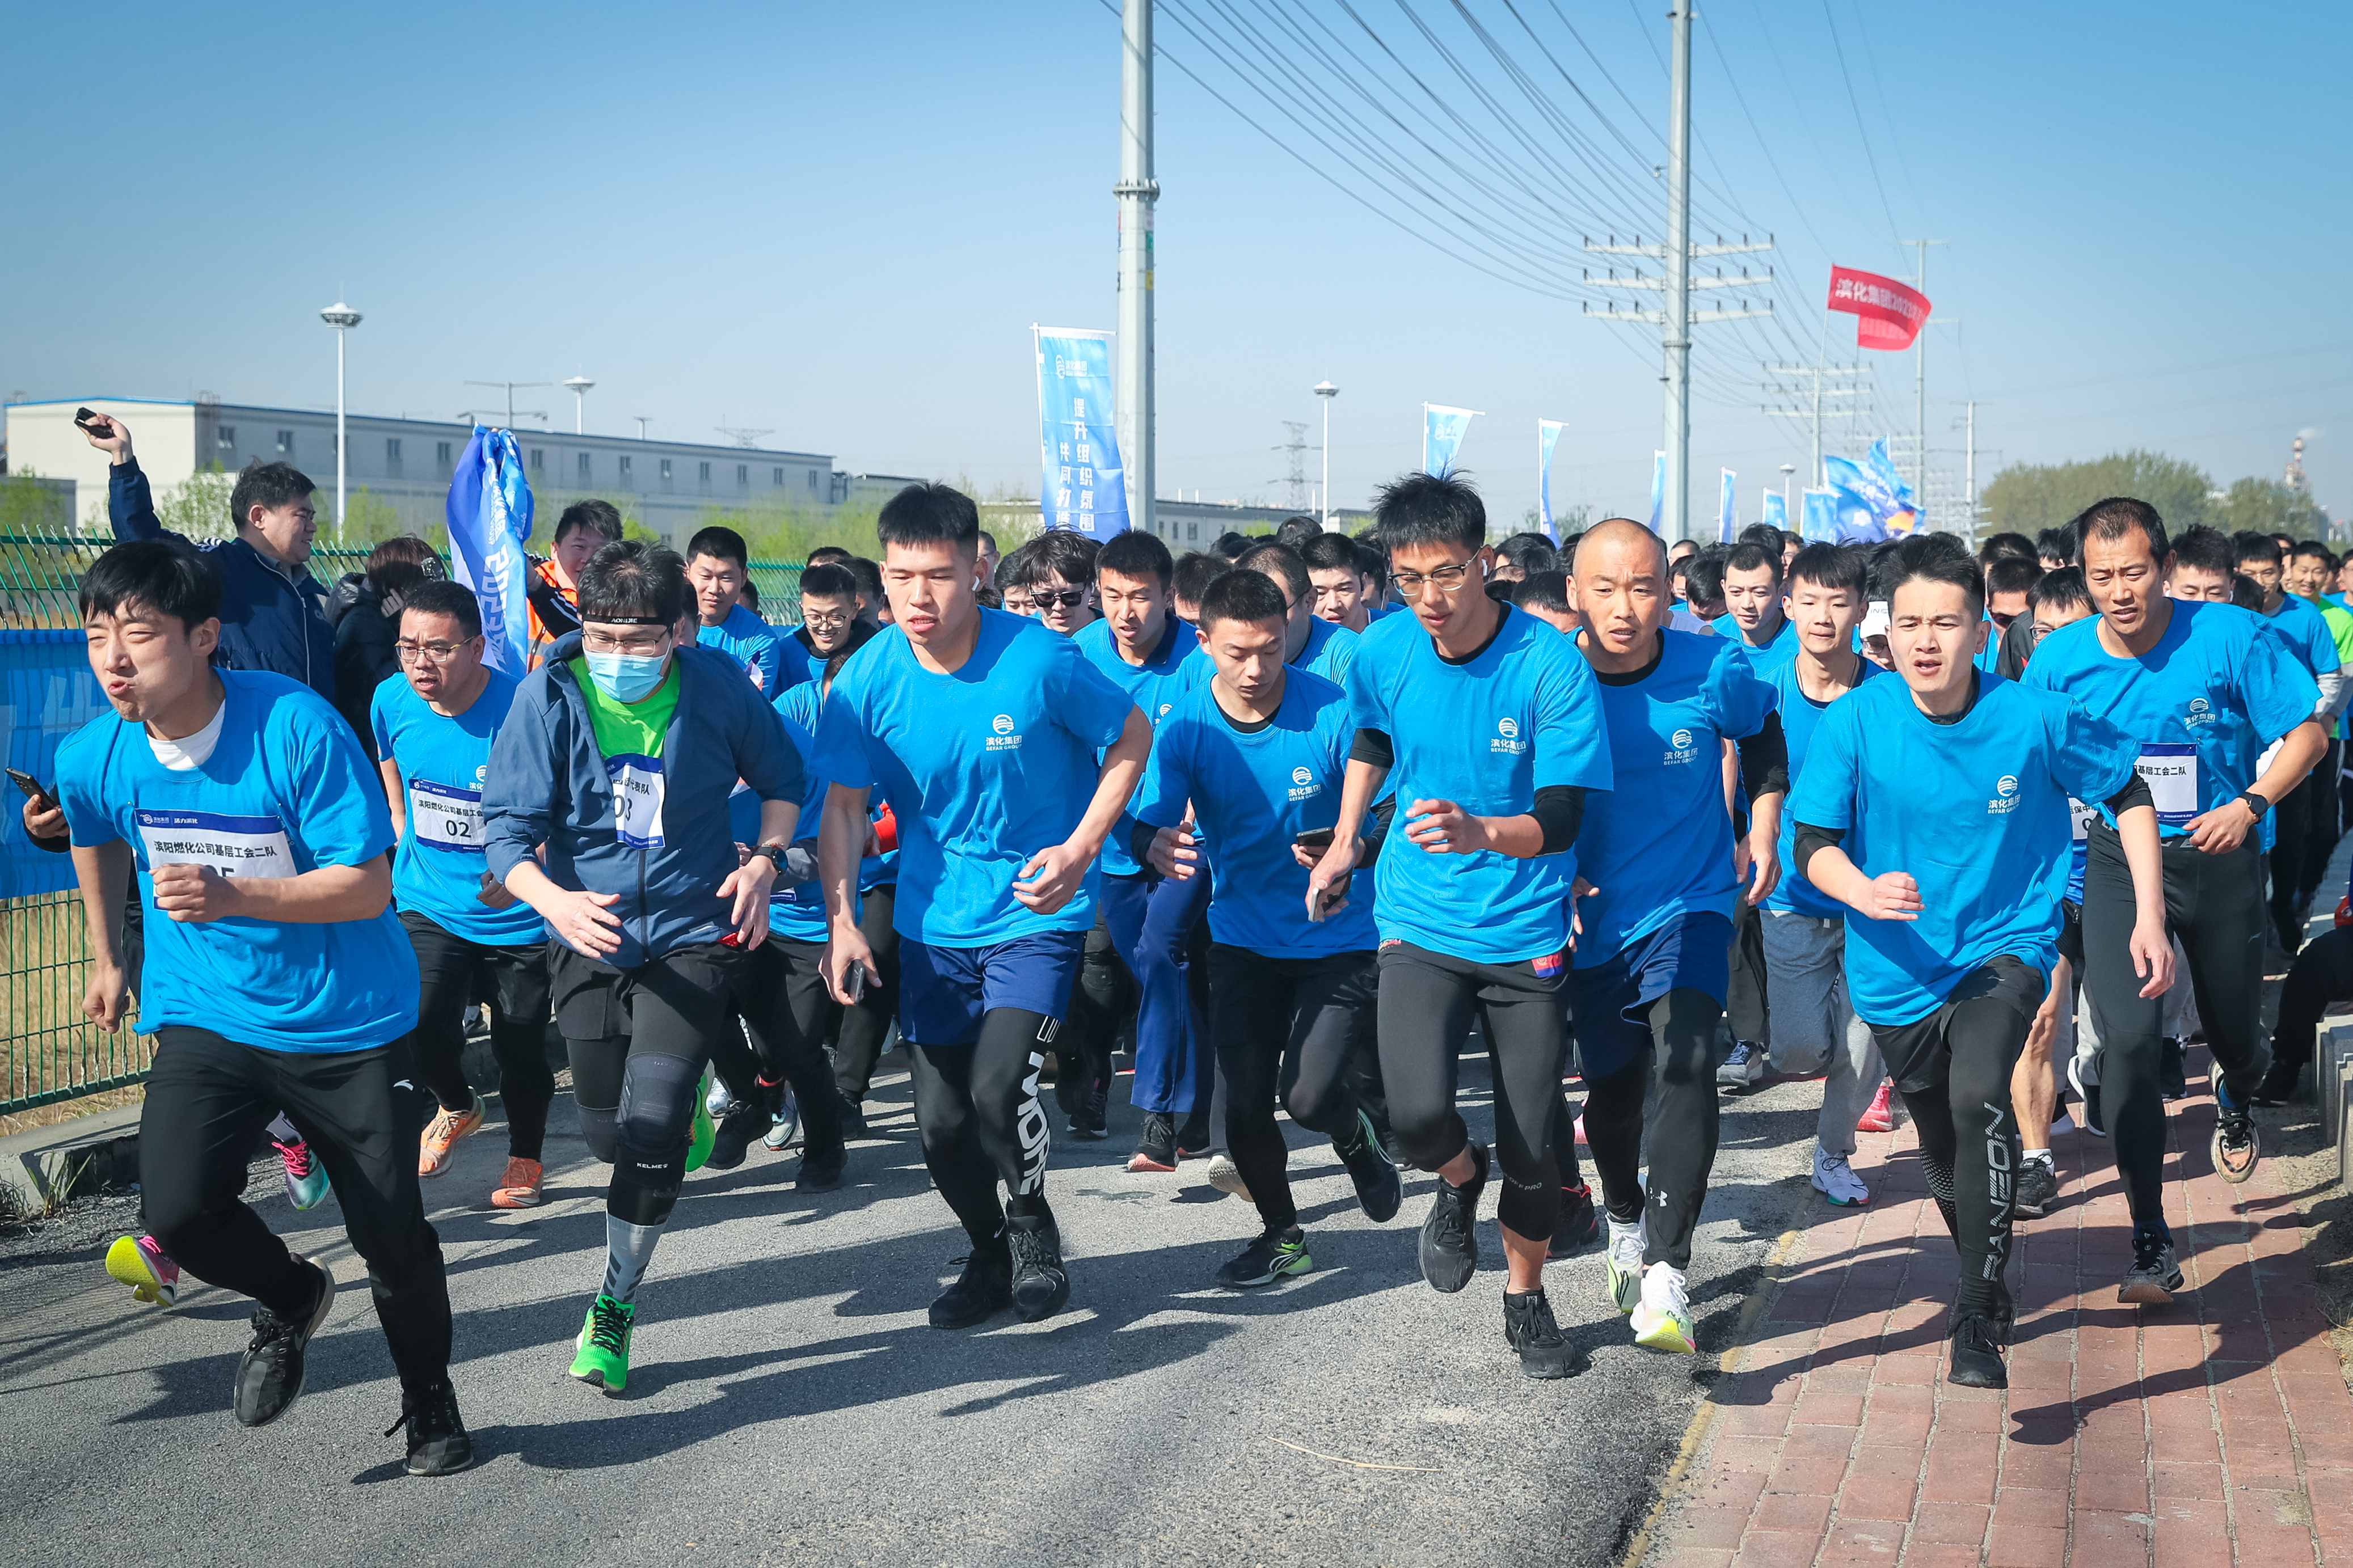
[[655, 1116]]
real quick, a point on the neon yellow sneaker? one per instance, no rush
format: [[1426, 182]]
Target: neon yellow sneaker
[[1662, 1322], [602, 1351], [139, 1263], [704, 1131]]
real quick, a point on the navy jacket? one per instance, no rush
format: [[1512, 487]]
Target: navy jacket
[[547, 785], [268, 621]]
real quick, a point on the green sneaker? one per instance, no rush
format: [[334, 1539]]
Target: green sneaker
[[1624, 1263], [1662, 1320], [1274, 1255], [603, 1347], [706, 1132]]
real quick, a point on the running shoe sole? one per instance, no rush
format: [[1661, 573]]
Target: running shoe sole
[[1669, 1333], [1226, 1177], [1836, 1201], [1284, 1265], [126, 1261], [430, 1163], [2148, 1292], [2234, 1175]]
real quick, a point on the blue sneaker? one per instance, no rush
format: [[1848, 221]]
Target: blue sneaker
[[306, 1179]]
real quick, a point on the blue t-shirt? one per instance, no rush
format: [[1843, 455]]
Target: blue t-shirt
[[799, 912], [286, 790], [2217, 689], [443, 759], [1252, 793], [794, 662], [2307, 634], [1329, 649], [1800, 716], [1777, 649], [1659, 846], [1521, 715], [1156, 687], [1975, 812], [752, 644], [983, 768]]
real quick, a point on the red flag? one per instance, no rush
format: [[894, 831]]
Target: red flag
[[1888, 314]]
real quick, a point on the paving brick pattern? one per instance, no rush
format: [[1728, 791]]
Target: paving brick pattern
[[2215, 1432]]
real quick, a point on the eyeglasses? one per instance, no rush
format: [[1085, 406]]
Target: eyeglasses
[[1057, 598], [642, 645], [827, 619], [429, 652], [1448, 578]]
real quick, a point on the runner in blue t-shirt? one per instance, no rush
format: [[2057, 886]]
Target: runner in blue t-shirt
[[718, 564], [2294, 828], [1814, 1022], [1935, 808], [1756, 608], [983, 729], [1490, 722], [1260, 755], [2203, 689], [1311, 643], [1660, 857], [434, 724], [1143, 649], [237, 806]]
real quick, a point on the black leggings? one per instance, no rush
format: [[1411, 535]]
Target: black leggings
[[208, 1098], [1101, 1000], [1282, 1027], [449, 966], [2215, 903], [977, 1108], [865, 1028], [1426, 1002], [1682, 1139], [786, 1012], [1952, 1070], [635, 1091], [2323, 828], [2322, 974], [2293, 830]]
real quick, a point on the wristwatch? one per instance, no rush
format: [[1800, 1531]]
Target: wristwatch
[[2256, 802], [773, 854]]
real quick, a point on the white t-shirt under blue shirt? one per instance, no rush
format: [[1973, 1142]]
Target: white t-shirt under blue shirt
[[285, 790], [1157, 686], [439, 868], [1520, 715], [1254, 790], [983, 768], [1659, 846], [1800, 716], [2218, 687], [1976, 812]]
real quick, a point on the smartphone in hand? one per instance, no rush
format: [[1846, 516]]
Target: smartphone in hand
[[1315, 840], [27, 783], [95, 423]]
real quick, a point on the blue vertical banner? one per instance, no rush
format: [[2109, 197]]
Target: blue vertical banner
[[1547, 436], [1727, 509], [46, 693], [1819, 520], [490, 519], [1082, 487], [1658, 487], [1777, 509], [1442, 429]]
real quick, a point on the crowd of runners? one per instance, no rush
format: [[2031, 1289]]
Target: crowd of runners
[[1289, 824]]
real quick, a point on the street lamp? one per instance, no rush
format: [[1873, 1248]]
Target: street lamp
[[1787, 469], [1327, 392], [578, 387], [342, 317]]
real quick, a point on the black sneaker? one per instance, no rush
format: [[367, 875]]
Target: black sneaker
[[2155, 1276], [438, 1444], [1578, 1224], [1089, 1122], [2238, 1142], [2279, 1081], [984, 1289], [1450, 1241], [1156, 1149], [1380, 1192], [853, 1115], [2087, 1096], [1274, 1255], [748, 1121], [1977, 1354], [2172, 1081], [270, 1374], [2037, 1187], [1040, 1285], [1193, 1137], [1529, 1327], [821, 1170], [1387, 1140]]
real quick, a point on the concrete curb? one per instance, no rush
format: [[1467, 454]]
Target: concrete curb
[[100, 1150]]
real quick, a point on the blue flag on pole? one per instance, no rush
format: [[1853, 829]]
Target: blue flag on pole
[[1442, 429], [1819, 520], [1083, 486], [1548, 434], [489, 518], [1658, 487], [1777, 509], [1727, 509]]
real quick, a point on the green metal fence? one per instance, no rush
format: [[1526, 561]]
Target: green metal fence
[[47, 1051]]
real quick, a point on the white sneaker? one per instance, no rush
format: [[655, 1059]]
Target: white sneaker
[[1663, 1320], [1622, 1267], [784, 1122], [1744, 1069], [1227, 1176], [1836, 1180], [720, 1100]]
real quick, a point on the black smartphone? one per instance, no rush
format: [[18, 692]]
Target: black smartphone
[[86, 417], [27, 783], [1315, 838]]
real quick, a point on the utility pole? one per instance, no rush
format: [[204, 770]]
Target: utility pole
[[1325, 392], [511, 386], [1972, 480], [1920, 378], [1820, 372], [1295, 478], [1138, 192]]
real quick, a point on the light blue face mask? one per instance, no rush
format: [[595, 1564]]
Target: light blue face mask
[[627, 676]]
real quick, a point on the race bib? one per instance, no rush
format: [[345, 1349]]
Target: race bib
[[637, 787], [2171, 773], [232, 846], [2081, 816], [451, 818]]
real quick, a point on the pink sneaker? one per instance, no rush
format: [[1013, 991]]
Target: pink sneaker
[[139, 1263], [1881, 1116]]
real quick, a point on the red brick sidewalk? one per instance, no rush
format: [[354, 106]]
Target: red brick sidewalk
[[2218, 1430]]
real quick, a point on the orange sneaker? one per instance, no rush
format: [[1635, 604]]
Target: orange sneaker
[[441, 1135], [519, 1187]]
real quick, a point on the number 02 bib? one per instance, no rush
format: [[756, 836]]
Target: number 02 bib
[[439, 815]]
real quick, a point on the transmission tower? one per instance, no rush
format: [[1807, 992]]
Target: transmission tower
[[1296, 479], [741, 438]]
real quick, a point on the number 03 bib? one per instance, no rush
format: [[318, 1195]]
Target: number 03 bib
[[638, 792]]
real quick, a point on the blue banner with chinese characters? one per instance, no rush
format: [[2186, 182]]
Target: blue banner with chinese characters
[[1083, 486], [46, 693], [1727, 509], [1547, 436], [1777, 509], [490, 517], [1658, 487], [1442, 429], [1818, 523]]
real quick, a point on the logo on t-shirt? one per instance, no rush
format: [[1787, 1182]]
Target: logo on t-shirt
[[2200, 712], [1684, 748], [1303, 784], [1507, 738], [1004, 740], [2005, 796]]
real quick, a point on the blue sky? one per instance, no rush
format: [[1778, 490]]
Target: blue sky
[[838, 223]]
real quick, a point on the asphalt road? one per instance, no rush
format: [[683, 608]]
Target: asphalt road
[[789, 1401]]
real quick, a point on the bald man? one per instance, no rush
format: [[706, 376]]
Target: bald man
[[1660, 869]]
